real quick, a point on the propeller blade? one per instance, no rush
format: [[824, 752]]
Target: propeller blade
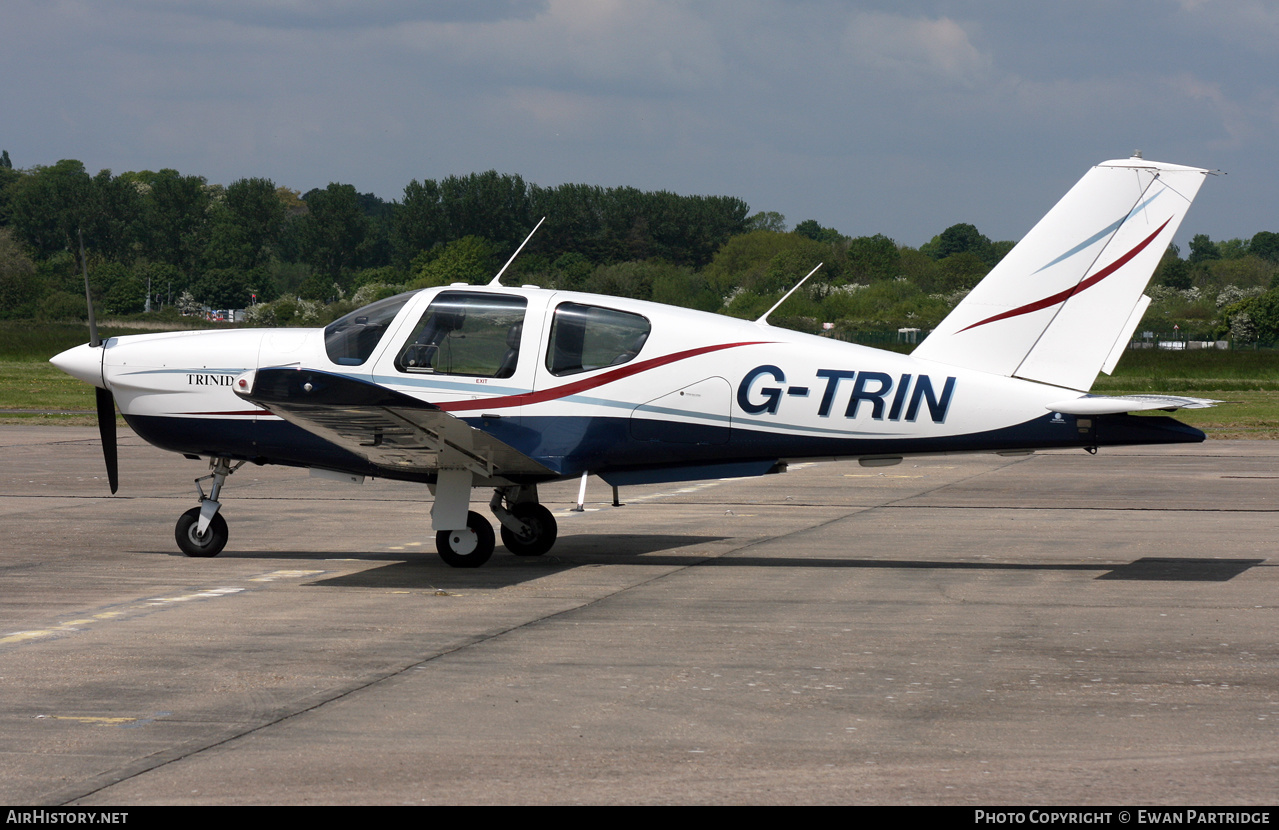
[[106, 428], [94, 341]]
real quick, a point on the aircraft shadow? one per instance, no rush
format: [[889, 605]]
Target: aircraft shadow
[[427, 571]]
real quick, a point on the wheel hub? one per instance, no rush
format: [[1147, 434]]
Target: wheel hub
[[463, 541]]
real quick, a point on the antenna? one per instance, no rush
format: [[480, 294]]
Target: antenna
[[763, 320], [496, 280]]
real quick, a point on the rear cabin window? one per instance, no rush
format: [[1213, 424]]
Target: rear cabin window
[[587, 337], [466, 333], [350, 340]]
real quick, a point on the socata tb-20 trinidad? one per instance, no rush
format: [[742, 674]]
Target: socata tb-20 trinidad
[[506, 388]]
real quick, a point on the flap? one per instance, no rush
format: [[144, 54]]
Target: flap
[[388, 428]]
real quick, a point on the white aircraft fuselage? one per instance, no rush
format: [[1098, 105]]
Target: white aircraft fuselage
[[705, 390]]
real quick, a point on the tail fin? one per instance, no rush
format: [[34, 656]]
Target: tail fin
[[1061, 305]]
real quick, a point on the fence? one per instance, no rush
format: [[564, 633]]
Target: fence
[[1177, 341]]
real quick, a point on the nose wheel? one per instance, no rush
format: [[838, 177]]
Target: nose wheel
[[192, 542]]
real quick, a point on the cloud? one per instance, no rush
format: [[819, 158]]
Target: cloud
[[1248, 23], [862, 114], [916, 50]]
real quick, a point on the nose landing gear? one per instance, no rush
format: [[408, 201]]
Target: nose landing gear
[[201, 531]]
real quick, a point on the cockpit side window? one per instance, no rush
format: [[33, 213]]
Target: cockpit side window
[[589, 337], [350, 340], [466, 333]]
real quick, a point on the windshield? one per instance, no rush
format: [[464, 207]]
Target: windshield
[[350, 340]]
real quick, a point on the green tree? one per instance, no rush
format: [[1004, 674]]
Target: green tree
[[469, 259], [1175, 273], [682, 286], [960, 271], [247, 224], [810, 229], [62, 305], [1202, 249], [20, 288], [766, 221], [626, 224], [419, 224], [1264, 311], [958, 239], [47, 206], [334, 234], [872, 258], [8, 178], [224, 288], [1233, 249], [52, 206], [178, 220], [572, 270], [128, 295], [1265, 244], [765, 262]]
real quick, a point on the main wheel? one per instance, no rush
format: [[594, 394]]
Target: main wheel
[[540, 534], [469, 547], [192, 543]]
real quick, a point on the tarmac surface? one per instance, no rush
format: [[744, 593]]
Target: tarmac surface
[[964, 630]]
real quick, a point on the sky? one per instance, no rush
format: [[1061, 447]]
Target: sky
[[900, 118]]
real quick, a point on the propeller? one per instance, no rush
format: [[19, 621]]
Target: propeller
[[105, 400]]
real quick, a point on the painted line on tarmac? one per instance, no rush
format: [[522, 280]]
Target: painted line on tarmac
[[141, 607]]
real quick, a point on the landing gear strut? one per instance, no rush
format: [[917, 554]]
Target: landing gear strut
[[528, 528], [201, 531]]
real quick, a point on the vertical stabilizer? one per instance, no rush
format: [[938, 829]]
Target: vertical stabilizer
[[1057, 304]]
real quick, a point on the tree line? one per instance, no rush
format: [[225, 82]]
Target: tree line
[[166, 240]]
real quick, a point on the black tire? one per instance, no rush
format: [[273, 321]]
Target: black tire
[[210, 544], [543, 530], [460, 549]]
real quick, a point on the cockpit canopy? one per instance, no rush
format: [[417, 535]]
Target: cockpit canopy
[[350, 340], [480, 334]]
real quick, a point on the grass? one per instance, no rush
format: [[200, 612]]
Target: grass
[[29, 381], [1247, 382], [29, 384], [27, 340], [1151, 370]]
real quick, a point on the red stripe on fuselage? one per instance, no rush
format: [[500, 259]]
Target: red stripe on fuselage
[[243, 413], [1061, 297], [528, 398]]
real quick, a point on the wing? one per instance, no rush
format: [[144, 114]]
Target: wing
[[391, 430]]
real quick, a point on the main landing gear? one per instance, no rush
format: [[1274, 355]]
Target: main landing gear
[[463, 537], [527, 528], [201, 531]]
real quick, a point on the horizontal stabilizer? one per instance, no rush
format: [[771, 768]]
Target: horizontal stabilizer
[[1055, 307], [1101, 405]]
